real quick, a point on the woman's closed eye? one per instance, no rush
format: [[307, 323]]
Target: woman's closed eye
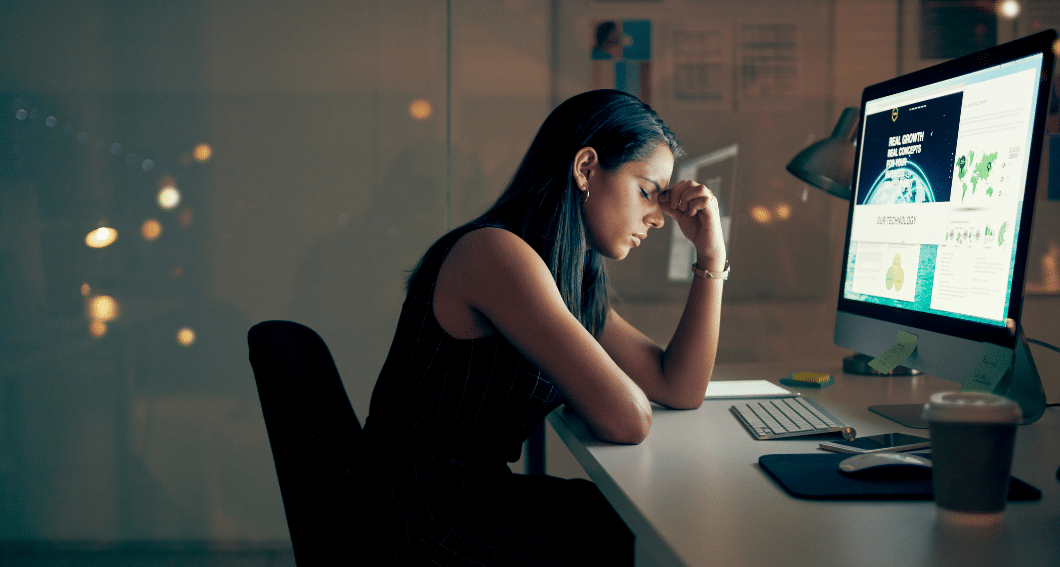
[[645, 192]]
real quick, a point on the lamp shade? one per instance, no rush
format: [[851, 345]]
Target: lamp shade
[[829, 163]]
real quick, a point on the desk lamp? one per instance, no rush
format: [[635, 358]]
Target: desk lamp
[[829, 165]]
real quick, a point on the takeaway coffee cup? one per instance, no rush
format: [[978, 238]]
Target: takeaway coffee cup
[[972, 439]]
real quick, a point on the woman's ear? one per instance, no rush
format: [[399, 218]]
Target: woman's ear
[[586, 162]]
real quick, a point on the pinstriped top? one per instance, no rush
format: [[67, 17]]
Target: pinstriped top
[[477, 399], [445, 415]]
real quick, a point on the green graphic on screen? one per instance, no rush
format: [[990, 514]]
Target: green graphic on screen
[[975, 176], [926, 273], [895, 274]]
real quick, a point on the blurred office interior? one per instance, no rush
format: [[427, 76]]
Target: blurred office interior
[[173, 172]]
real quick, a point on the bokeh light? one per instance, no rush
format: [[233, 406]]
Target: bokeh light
[[97, 329], [168, 198], [203, 152], [783, 211], [761, 215], [151, 229], [1051, 268], [185, 217], [101, 237], [103, 308], [1007, 9], [420, 109], [186, 336], [86, 290]]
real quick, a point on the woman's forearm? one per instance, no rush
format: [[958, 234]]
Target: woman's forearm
[[688, 361]]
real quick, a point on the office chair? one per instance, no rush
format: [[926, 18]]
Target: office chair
[[314, 433]]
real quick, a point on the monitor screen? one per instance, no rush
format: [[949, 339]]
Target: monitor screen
[[942, 197]]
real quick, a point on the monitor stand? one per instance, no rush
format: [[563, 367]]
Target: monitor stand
[[1021, 384]]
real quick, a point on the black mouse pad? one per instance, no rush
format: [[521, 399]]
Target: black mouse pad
[[816, 476]]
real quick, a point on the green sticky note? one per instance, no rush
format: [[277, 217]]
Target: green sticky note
[[991, 369], [897, 354]]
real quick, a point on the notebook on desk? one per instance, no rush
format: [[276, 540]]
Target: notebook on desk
[[745, 389]]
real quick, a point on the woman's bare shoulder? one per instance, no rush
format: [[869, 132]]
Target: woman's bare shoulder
[[486, 267], [491, 241], [486, 250]]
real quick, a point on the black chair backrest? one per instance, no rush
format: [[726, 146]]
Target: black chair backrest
[[313, 432]]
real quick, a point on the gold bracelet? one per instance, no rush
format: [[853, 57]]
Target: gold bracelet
[[709, 275]]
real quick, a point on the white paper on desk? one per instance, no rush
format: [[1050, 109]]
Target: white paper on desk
[[735, 389]]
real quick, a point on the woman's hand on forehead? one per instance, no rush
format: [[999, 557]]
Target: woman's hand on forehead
[[695, 208]]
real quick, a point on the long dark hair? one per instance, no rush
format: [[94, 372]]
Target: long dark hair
[[543, 206]]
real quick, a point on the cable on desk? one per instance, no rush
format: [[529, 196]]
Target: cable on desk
[[1053, 348], [1044, 344]]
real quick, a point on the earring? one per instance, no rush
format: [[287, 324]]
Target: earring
[[585, 188]]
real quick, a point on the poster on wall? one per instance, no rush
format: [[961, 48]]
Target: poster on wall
[[621, 57], [768, 65], [702, 66]]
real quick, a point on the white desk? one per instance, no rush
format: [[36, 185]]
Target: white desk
[[693, 492]]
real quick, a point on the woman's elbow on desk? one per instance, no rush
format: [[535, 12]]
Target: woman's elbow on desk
[[689, 397], [685, 404], [626, 431]]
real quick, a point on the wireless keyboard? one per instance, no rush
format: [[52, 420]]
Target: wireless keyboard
[[789, 417]]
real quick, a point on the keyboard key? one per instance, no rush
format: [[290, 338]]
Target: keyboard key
[[812, 419]]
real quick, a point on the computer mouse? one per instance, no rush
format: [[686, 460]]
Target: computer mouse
[[883, 466]]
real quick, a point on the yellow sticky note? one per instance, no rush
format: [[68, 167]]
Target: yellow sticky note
[[810, 377], [991, 369], [897, 354]]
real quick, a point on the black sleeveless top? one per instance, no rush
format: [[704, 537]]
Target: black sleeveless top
[[445, 418], [473, 401]]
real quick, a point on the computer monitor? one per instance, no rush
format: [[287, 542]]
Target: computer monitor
[[943, 192]]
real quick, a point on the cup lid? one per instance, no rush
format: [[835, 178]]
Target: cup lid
[[971, 407]]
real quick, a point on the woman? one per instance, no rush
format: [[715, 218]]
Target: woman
[[508, 316]]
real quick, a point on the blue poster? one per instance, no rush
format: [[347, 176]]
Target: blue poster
[[621, 57]]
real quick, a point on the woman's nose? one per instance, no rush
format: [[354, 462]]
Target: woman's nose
[[656, 218]]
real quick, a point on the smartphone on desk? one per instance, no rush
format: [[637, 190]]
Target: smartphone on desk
[[885, 443]]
